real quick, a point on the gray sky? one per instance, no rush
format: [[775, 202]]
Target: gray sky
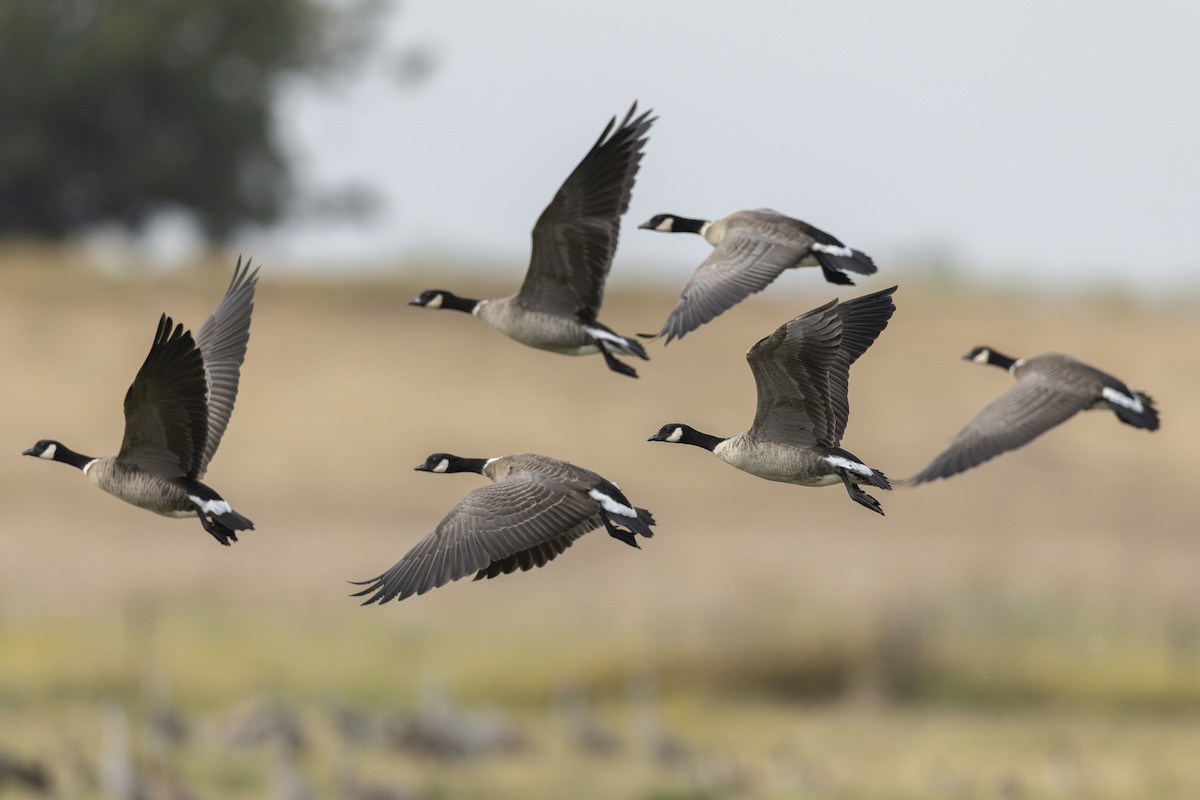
[[1049, 140]]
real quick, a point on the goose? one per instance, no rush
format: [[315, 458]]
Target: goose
[[751, 249], [176, 411], [573, 245], [802, 373], [1050, 389], [535, 509]]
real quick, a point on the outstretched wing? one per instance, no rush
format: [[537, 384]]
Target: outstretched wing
[[576, 236], [1032, 406], [166, 420], [802, 369], [222, 341], [516, 523], [753, 253]]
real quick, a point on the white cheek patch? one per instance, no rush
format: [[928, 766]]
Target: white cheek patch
[[442, 466], [853, 466], [833, 249], [610, 505], [436, 302], [675, 437], [51, 450], [213, 508], [666, 226], [1120, 398], [982, 357]]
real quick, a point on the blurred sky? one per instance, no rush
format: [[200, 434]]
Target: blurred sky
[[1036, 138]]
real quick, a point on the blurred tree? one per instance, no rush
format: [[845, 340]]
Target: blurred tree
[[111, 110]]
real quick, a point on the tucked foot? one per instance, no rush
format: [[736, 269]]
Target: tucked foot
[[219, 532], [858, 495], [615, 365], [224, 525]]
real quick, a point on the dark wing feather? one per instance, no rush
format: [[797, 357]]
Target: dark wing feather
[[576, 236], [166, 418], [540, 554], [1033, 405], [489, 526], [802, 369], [222, 341], [863, 319]]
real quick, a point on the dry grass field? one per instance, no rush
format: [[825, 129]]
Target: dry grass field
[[1030, 629]]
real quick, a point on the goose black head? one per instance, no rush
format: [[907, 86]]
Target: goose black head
[[445, 462], [45, 448], [660, 222], [430, 298], [678, 433], [440, 298], [986, 355]]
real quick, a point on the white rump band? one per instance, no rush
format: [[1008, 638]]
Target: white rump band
[[610, 505]]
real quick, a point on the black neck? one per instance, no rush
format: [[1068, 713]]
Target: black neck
[[453, 301], [687, 225], [458, 464], [1000, 360], [699, 439]]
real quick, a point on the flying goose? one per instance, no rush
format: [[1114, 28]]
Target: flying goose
[[1050, 389], [751, 249], [802, 372], [573, 245], [176, 411], [536, 509]]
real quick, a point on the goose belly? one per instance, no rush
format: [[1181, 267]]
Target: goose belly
[[540, 330], [142, 489], [774, 461], [558, 336]]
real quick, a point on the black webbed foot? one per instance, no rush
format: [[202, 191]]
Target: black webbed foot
[[858, 495], [219, 532], [615, 365], [617, 533]]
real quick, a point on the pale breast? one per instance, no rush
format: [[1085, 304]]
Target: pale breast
[[142, 489], [777, 461], [536, 328]]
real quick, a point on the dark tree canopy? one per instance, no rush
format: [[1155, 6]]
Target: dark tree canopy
[[111, 110]]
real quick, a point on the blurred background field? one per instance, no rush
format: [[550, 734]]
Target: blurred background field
[[1029, 629]]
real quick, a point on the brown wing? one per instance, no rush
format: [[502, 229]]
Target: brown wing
[[166, 413], [576, 236]]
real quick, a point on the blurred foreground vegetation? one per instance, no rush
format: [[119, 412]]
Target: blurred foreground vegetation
[[196, 701]]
